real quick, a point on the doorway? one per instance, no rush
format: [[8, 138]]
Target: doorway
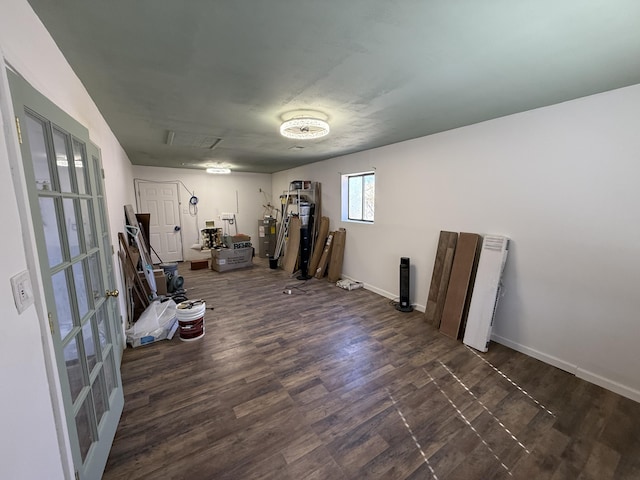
[[160, 200], [67, 202]]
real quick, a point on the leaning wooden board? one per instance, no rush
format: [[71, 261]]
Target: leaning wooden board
[[456, 304], [319, 244], [129, 255], [293, 246], [337, 255], [440, 277], [324, 259]]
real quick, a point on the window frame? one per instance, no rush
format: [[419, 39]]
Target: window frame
[[346, 195]]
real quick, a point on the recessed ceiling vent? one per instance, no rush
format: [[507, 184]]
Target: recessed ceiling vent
[[192, 140]]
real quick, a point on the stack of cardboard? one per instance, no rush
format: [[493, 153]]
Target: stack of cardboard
[[463, 272], [452, 283], [337, 255], [331, 256]]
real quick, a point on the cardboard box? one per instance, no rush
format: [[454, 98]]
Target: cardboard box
[[225, 259], [237, 241], [161, 281]]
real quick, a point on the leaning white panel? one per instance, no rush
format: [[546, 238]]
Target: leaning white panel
[[486, 292]]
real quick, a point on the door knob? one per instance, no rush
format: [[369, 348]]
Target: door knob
[[112, 293], [176, 228]]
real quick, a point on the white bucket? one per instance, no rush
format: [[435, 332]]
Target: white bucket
[[190, 316]]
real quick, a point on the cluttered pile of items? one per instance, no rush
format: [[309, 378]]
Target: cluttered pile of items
[[229, 249], [232, 250], [157, 304], [305, 243]]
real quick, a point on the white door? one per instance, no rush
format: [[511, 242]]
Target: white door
[[161, 201], [67, 200]]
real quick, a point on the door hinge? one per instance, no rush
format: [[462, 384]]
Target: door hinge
[[102, 170], [19, 130], [50, 323]]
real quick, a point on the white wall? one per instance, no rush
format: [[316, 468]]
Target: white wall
[[31, 394], [561, 182], [241, 193]]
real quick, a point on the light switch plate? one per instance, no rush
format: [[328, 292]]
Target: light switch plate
[[22, 290]]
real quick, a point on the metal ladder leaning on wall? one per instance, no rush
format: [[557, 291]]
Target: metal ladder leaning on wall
[[284, 229]]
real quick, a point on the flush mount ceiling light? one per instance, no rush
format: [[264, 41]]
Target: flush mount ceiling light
[[304, 128], [218, 170]]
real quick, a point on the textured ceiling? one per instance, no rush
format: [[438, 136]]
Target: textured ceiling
[[381, 71]]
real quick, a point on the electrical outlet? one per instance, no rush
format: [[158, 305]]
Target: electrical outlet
[[22, 290]]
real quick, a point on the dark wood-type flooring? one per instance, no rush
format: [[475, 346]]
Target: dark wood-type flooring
[[333, 384]]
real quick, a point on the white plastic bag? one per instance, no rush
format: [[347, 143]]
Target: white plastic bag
[[156, 323], [349, 284]]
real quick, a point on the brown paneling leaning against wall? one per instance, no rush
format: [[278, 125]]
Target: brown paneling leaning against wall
[[440, 277]]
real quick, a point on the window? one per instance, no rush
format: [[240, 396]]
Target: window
[[358, 197]]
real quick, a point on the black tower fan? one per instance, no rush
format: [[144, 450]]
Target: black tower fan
[[404, 305]]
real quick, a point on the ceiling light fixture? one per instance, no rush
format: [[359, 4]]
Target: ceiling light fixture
[[219, 170], [304, 128]]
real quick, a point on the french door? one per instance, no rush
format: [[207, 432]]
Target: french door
[[67, 201]]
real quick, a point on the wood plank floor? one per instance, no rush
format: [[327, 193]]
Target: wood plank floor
[[331, 384]]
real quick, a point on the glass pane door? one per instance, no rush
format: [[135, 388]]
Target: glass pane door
[[66, 193], [104, 244]]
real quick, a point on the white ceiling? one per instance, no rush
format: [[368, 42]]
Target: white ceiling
[[382, 71]]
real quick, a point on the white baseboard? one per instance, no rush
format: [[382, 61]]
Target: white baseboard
[[543, 357], [384, 293], [418, 307], [373, 289], [590, 377], [609, 384]]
